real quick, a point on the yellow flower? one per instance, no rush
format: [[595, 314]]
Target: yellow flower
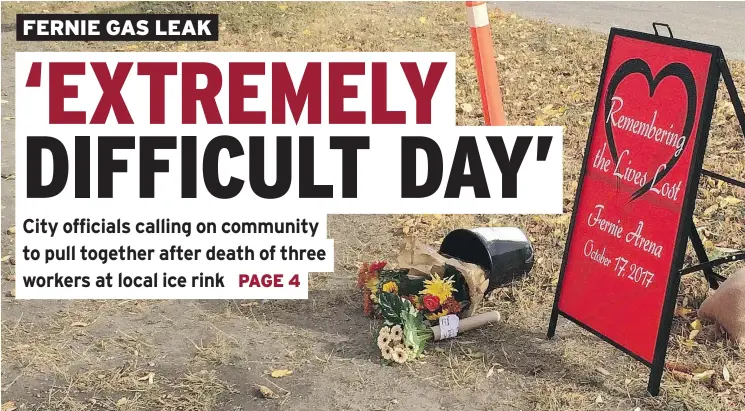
[[390, 287], [440, 288], [372, 284], [435, 316]]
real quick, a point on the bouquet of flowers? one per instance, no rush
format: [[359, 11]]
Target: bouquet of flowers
[[427, 297], [435, 296], [425, 293]]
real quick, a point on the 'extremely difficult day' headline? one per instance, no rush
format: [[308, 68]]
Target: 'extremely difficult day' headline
[[271, 126], [138, 171]]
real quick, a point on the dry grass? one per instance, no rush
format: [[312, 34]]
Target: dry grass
[[199, 353]]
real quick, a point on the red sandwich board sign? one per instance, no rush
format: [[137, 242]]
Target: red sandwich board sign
[[632, 214]]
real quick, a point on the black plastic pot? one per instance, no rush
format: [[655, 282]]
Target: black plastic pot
[[505, 253]]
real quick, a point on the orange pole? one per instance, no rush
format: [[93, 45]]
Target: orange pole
[[486, 64]]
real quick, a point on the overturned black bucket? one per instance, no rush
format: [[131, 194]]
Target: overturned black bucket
[[505, 253]]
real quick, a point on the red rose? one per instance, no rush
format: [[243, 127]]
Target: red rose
[[431, 303]]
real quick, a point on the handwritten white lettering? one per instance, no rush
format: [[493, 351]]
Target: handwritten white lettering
[[667, 190], [595, 255], [600, 160], [614, 229], [643, 243], [643, 129], [625, 172]]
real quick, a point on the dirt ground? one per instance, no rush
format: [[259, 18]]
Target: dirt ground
[[210, 355]]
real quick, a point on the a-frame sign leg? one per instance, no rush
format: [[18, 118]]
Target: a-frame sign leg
[[732, 90], [698, 247]]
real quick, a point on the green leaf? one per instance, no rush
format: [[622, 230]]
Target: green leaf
[[416, 333], [391, 308]]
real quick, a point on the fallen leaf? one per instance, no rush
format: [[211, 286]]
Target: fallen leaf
[[703, 376], [711, 209], [602, 371], [266, 392], [693, 334], [696, 325], [122, 401], [12, 230], [690, 344], [725, 373], [467, 108], [79, 324], [282, 7], [9, 406], [599, 399], [731, 200], [423, 20], [4, 258], [281, 373], [682, 311], [490, 372], [8, 118]]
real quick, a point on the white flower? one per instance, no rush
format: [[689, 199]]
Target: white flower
[[399, 355], [397, 333], [385, 331], [387, 352], [383, 340]]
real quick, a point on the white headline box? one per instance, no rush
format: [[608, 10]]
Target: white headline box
[[210, 171]]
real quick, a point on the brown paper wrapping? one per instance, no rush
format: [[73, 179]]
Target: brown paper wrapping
[[422, 261], [470, 323]]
